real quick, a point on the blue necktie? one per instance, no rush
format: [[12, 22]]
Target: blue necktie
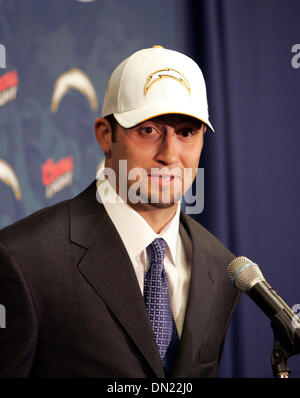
[[156, 296]]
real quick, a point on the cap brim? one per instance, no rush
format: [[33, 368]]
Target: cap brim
[[132, 118]]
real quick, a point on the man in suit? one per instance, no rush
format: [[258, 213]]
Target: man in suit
[[80, 281]]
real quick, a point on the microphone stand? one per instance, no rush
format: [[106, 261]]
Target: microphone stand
[[286, 343], [279, 362]]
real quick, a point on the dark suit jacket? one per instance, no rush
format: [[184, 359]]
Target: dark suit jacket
[[74, 307]]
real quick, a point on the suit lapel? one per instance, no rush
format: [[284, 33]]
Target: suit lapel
[[198, 304], [107, 268], [91, 228]]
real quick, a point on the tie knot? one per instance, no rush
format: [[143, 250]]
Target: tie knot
[[156, 251]]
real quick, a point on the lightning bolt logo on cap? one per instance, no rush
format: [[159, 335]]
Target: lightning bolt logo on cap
[[166, 73], [73, 79]]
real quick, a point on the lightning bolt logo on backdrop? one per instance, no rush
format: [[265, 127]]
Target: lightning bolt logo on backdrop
[[73, 79], [9, 177]]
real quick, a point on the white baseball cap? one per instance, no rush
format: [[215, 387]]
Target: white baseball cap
[[153, 82]]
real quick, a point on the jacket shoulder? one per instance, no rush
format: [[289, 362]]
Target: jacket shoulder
[[199, 233], [47, 221], [37, 225]]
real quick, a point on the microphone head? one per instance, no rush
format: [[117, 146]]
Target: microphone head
[[244, 273]]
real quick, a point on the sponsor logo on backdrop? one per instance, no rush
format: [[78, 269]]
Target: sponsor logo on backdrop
[[57, 176], [9, 177], [8, 87], [296, 58], [73, 79], [2, 56]]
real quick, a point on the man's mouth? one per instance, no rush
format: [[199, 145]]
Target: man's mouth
[[163, 177]]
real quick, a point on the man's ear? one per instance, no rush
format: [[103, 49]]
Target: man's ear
[[204, 128], [103, 134]]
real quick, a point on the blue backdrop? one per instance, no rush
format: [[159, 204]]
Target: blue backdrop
[[48, 151]]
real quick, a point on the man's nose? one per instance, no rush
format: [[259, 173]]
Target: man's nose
[[168, 149]]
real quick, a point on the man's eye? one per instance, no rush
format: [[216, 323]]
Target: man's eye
[[186, 132], [148, 130]]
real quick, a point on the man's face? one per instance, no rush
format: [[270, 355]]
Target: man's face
[[164, 147]]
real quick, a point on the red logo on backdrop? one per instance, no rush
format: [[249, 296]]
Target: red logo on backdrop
[[8, 87], [57, 176]]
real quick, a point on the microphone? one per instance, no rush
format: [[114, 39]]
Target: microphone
[[247, 276]]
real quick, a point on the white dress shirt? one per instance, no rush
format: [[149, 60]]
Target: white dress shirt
[[137, 234]]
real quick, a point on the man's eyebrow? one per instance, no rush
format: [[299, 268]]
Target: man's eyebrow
[[191, 123], [143, 122]]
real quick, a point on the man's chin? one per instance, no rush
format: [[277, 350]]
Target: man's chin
[[157, 200], [162, 203]]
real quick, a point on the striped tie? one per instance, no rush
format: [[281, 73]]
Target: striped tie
[[156, 296]]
